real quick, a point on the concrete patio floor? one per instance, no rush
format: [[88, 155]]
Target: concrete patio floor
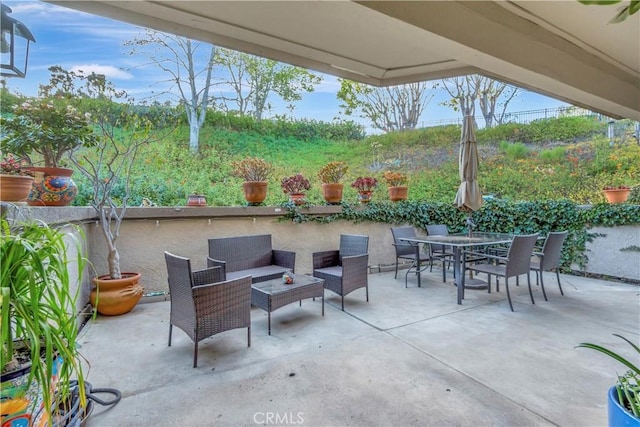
[[408, 357]]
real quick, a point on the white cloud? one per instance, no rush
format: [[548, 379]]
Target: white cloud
[[110, 72]]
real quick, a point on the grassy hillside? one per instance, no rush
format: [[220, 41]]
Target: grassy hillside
[[566, 158]]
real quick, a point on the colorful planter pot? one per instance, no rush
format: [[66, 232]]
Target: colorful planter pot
[[52, 187]]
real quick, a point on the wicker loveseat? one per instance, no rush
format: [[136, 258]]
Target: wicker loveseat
[[249, 255]]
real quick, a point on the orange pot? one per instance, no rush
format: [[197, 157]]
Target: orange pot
[[398, 193], [255, 191], [15, 188], [332, 193], [617, 195], [116, 296]]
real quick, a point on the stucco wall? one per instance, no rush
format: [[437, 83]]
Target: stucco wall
[[606, 255], [143, 242]]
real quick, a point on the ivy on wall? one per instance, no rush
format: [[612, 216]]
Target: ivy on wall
[[498, 216]]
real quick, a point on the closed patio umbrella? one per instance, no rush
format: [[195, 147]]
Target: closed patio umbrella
[[469, 197]]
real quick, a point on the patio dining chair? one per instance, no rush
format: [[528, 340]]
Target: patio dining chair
[[344, 270], [517, 262], [549, 258], [440, 252], [406, 250], [203, 305]]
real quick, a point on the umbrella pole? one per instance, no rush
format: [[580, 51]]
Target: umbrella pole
[[470, 225]]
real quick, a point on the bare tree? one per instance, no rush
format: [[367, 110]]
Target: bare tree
[[253, 79], [189, 66], [388, 108], [490, 94]]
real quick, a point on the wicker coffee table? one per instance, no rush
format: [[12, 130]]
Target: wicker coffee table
[[270, 295]]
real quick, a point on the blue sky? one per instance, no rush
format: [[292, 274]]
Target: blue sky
[[76, 40]]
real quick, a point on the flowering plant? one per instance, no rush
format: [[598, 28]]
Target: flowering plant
[[295, 184], [48, 127], [333, 172], [10, 165], [395, 179], [252, 169], [365, 184]]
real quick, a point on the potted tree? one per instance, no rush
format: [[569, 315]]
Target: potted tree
[[107, 167], [365, 187], [624, 396], [397, 185], [15, 181], [295, 186], [255, 173], [41, 364], [330, 175], [49, 129]]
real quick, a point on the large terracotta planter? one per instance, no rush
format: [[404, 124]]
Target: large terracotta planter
[[398, 193], [15, 188], [52, 187], [116, 296], [617, 195], [255, 191], [332, 193]]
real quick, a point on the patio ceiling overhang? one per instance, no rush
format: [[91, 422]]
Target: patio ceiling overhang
[[562, 49]]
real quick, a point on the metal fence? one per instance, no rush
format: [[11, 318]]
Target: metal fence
[[616, 129]]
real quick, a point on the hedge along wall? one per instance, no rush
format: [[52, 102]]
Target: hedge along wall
[[498, 216]]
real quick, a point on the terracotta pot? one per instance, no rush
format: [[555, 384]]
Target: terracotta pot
[[15, 188], [364, 196], [116, 296], [196, 200], [617, 195], [398, 193], [255, 191], [52, 187], [332, 193], [297, 198]]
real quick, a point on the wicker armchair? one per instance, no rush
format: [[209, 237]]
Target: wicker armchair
[[344, 270], [202, 305], [517, 262], [549, 258]]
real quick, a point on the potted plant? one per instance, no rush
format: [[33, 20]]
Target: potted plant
[[52, 129], [15, 181], [365, 187], [624, 396], [107, 167], [616, 194], [255, 173], [330, 175], [397, 185], [295, 186], [41, 364]]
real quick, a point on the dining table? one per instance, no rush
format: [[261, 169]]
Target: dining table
[[458, 242]]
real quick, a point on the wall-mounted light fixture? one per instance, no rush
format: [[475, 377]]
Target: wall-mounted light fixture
[[14, 45]]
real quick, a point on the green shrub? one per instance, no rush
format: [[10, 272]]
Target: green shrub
[[554, 155], [515, 150]]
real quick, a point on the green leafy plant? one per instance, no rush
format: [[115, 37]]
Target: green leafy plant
[[38, 305], [252, 169], [625, 12], [628, 384], [49, 127]]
